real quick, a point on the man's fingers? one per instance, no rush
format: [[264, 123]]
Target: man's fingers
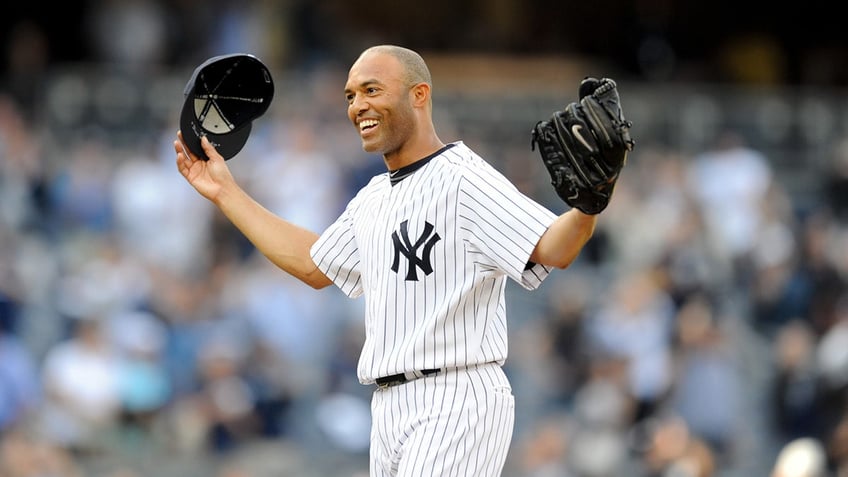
[[208, 148], [179, 146]]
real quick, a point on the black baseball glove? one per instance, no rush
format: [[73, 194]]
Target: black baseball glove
[[584, 147]]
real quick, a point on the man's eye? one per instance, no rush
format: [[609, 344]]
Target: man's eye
[[371, 90]]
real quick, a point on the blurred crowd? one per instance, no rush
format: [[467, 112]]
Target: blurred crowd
[[702, 332], [704, 328]]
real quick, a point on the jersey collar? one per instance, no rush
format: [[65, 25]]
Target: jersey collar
[[398, 175]]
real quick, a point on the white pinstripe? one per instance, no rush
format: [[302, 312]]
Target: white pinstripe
[[477, 229], [457, 423]]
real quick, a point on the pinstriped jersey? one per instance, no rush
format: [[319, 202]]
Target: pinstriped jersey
[[431, 254]]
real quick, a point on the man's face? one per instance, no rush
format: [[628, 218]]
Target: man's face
[[379, 103]]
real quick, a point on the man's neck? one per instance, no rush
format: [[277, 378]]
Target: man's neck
[[409, 155], [397, 175]]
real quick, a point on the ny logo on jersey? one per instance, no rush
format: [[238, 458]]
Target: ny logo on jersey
[[428, 238]]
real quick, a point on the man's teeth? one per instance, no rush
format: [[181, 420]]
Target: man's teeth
[[367, 124]]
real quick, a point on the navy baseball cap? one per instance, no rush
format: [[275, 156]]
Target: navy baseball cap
[[222, 98]]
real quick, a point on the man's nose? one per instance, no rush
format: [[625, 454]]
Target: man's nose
[[359, 104]]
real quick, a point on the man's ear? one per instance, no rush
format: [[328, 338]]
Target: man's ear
[[420, 94]]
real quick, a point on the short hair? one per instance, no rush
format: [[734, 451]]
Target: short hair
[[414, 67]]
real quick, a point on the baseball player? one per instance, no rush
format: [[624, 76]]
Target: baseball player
[[429, 244]]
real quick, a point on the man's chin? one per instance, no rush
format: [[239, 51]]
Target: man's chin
[[370, 147]]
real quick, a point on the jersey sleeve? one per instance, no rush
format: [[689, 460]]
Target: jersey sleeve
[[504, 225], [336, 254]]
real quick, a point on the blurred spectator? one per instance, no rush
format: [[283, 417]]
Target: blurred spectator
[[225, 399], [544, 452], [99, 278], [29, 268], [20, 389], [284, 181], [342, 361], [831, 357], [80, 187], [796, 388], [777, 283], [566, 316], [143, 382], [635, 324], [707, 390], [836, 447], [345, 420], [187, 306], [672, 450], [730, 183], [156, 220], [23, 172], [806, 284], [81, 385], [268, 375], [690, 265], [650, 205], [274, 307], [656, 221], [24, 455], [603, 412], [818, 283]]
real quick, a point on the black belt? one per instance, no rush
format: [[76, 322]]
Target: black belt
[[402, 378]]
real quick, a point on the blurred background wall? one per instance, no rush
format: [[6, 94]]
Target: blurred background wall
[[141, 335]]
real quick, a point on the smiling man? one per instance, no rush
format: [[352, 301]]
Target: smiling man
[[430, 245]]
